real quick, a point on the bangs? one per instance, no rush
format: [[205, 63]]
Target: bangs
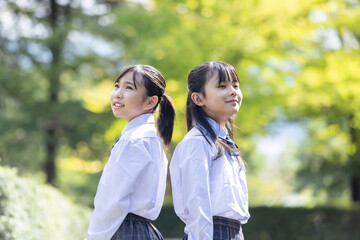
[[226, 73], [137, 76]]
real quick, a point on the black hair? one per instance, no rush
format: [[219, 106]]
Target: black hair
[[155, 84], [195, 115]]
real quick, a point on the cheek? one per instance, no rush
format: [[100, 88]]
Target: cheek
[[113, 92], [240, 95], [136, 101]]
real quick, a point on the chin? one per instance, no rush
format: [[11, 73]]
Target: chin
[[234, 112], [117, 115]]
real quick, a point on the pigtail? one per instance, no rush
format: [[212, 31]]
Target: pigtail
[[189, 113], [165, 120], [195, 115]]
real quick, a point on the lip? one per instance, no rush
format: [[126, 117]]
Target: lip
[[233, 101]]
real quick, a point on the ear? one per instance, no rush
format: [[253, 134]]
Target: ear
[[151, 102], [198, 99]]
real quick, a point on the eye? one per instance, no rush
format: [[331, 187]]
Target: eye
[[129, 87], [222, 86], [116, 85], [236, 86]]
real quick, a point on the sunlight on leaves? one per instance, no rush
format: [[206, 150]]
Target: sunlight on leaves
[[114, 130], [81, 165], [96, 99]]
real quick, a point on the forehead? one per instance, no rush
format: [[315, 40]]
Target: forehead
[[131, 77], [127, 77]]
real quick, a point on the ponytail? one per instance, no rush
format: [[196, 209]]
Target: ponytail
[[165, 120], [154, 83]]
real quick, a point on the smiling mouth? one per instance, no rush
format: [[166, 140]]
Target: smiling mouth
[[118, 105]]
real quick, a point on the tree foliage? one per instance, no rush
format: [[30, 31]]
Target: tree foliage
[[297, 61], [43, 71]]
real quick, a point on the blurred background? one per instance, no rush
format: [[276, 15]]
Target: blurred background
[[298, 127]]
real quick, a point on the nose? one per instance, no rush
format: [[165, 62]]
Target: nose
[[118, 93], [233, 91]]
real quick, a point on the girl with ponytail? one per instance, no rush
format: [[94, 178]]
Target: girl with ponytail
[[207, 173], [131, 190]]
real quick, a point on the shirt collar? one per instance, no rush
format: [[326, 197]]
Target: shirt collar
[[218, 130], [146, 118]]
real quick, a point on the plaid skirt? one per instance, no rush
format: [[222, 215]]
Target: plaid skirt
[[225, 229], [135, 227]]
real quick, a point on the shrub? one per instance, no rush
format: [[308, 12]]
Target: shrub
[[30, 211]]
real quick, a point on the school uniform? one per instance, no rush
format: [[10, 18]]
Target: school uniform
[[210, 195], [132, 186]]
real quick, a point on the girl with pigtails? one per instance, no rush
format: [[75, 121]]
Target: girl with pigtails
[[207, 172]]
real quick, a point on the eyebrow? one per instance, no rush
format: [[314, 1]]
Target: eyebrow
[[129, 83]]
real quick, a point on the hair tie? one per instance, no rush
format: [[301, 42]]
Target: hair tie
[[164, 96]]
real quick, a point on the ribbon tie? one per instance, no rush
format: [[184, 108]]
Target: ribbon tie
[[114, 144], [227, 140]]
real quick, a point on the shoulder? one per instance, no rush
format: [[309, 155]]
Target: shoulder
[[195, 135], [194, 141], [141, 133], [192, 152], [140, 139]]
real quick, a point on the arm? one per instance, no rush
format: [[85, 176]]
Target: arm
[[112, 199], [195, 191]]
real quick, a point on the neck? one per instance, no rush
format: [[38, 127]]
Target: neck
[[221, 122]]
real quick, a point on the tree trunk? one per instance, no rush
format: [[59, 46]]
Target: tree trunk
[[53, 77], [355, 188], [50, 167], [354, 163]]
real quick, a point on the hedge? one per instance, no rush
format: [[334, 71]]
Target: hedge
[[303, 224], [280, 223], [31, 211]]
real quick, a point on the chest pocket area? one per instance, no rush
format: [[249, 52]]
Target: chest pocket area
[[219, 175], [232, 171]]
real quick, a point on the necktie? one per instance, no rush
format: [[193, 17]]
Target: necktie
[[227, 140]]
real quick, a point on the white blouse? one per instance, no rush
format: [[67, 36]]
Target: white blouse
[[133, 180], [203, 187]]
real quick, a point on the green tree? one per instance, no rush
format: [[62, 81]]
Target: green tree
[[43, 72], [328, 91], [297, 60], [318, 46]]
